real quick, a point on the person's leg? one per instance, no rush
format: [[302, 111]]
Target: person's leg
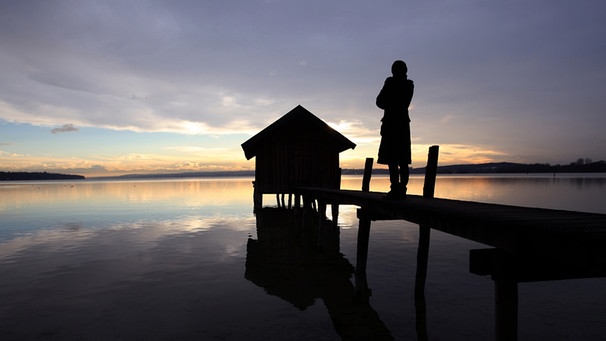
[[394, 175], [398, 191], [404, 176]]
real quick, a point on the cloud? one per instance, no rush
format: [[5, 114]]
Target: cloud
[[196, 149], [66, 128], [482, 71]]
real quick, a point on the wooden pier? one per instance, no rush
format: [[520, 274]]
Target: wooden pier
[[565, 236], [528, 244]]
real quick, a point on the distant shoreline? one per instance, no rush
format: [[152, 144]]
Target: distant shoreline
[[484, 168], [33, 176]]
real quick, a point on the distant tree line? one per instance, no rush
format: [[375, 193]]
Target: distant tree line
[[183, 175], [508, 167], [579, 166], [24, 176]]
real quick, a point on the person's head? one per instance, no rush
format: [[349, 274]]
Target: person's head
[[399, 68]]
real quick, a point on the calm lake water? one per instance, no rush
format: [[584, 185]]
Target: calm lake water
[[188, 260]]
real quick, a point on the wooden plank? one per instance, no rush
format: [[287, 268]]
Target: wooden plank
[[523, 268], [566, 236]]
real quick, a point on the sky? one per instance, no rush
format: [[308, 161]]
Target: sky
[[103, 88]]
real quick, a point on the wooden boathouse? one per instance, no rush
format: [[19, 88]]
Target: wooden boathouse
[[297, 150]]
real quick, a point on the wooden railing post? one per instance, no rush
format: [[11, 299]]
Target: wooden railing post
[[430, 172], [362, 291], [367, 174], [423, 250]]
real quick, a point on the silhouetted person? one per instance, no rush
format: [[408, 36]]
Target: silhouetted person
[[395, 147]]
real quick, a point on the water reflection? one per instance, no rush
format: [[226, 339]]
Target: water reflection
[[576, 192], [299, 261], [189, 191], [30, 207], [148, 280], [84, 258]]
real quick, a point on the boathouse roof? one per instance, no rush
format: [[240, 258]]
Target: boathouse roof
[[295, 120]]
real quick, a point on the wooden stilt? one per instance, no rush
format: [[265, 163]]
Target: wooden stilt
[[423, 250], [362, 291], [322, 209], [321, 218], [506, 270], [335, 213], [257, 199], [506, 309], [420, 279]]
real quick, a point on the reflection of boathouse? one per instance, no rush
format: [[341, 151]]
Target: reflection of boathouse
[[300, 262], [299, 149]]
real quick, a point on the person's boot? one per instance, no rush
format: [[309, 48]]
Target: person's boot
[[397, 192]]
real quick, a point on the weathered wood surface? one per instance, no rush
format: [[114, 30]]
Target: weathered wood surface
[[566, 236], [298, 149]]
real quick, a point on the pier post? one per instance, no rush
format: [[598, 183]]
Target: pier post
[[423, 250], [506, 309], [430, 172], [420, 278], [506, 270], [362, 291], [335, 214], [257, 198], [367, 174]]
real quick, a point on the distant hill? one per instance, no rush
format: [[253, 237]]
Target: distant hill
[[503, 167], [183, 175], [25, 176], [508, 167], [484, 168]]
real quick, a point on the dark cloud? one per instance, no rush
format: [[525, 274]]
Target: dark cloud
[[66, 128], [494, 67]]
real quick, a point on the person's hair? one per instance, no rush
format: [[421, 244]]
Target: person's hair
[[399, 68]]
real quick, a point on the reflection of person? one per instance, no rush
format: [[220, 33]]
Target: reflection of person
[[394, 150]]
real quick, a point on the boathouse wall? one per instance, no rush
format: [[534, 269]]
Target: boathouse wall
[[299, 149]]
